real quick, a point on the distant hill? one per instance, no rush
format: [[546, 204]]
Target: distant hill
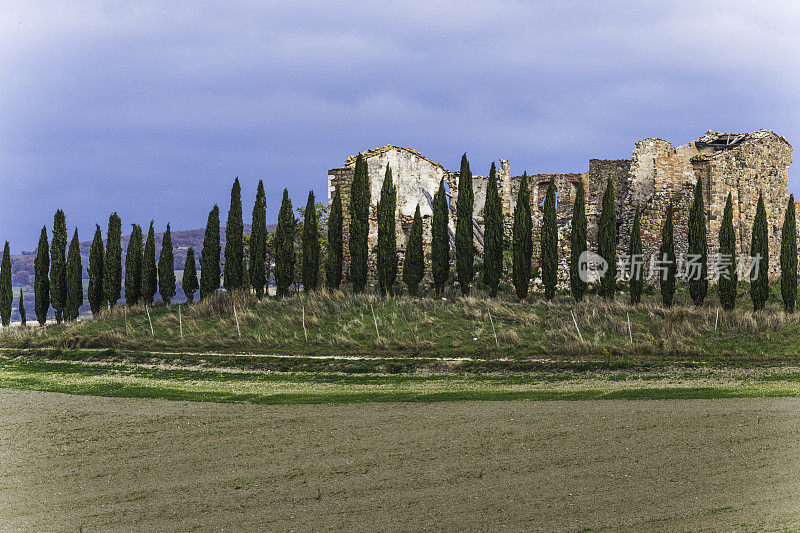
[[22, 273]]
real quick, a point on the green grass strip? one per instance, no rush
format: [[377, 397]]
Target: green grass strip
[[139, 381]]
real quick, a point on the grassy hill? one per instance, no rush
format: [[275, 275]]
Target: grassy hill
[[503, 329]]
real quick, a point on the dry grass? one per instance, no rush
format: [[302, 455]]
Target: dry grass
[[341, 322]]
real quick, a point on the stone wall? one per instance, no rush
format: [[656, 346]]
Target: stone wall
[[656, 176]]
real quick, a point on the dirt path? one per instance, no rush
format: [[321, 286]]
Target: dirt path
[[70, 462]]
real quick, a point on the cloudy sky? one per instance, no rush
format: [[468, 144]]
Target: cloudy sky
[[151, 109]]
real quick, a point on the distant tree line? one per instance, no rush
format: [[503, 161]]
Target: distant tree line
[[305, 251]]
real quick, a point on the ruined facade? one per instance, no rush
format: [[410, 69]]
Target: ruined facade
[[656, 174]]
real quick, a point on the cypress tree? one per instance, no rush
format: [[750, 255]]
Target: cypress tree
[[440, 239], [387, 234], [464, 232], [166, 268], [74, 299], [209, 256], [112, 262], [258, 243], [23, 317], [133, 266], [698, 245], [41, 283], [96, 269], [607, 247], [727, 250], [522, 240], [359, 225], [550, 243], [6, 290], [234, 241], [284, 246], [414, 262], [333, 271], [492, 235], [310, 243], [667, 257], [789, 258], [149, 272], [58, 265], [636, 282], [577, 243], [189, 280], [759, 280]]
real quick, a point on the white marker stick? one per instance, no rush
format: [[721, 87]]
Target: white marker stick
[[630, 335], [576, 325], [493, 331], [304, 323], [146, 310], [374, 321]]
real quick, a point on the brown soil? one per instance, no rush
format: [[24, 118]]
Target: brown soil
[[70, 463]]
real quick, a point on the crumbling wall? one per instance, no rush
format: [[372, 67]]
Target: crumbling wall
[[760, 166], [656, 176]]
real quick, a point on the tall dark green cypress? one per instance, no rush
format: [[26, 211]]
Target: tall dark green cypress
[[166, 268], [492, 235], [759, 247], [58, 265], [6, 290], [23, 317], [607, 246], [96, 269], [74, 301], [522, 240], [667, 258], [234, 241], [112, 262], [41, 283], [310, 243], [549, 240], [636, 281], [284, 247], [698, 245], [414, 262], [387, 234], [149, 271], [209, 256], [258, 243], [189, 280], [789, 258], [359, 225], [440, 239], [333, 262], [133, 267], [577, 286], [464, 231], [727, 251]]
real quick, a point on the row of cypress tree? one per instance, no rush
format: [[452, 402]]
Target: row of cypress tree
[[58, 267]]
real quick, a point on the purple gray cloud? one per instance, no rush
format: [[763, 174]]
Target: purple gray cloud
[[152, 108]]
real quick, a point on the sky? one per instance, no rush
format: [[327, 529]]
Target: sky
[[151, 109]]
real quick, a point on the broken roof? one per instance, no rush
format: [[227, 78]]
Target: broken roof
[[719, 141]]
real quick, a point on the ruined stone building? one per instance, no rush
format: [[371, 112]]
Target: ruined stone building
[[656, 174]]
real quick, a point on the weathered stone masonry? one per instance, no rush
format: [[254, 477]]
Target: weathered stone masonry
[[656, 174]]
